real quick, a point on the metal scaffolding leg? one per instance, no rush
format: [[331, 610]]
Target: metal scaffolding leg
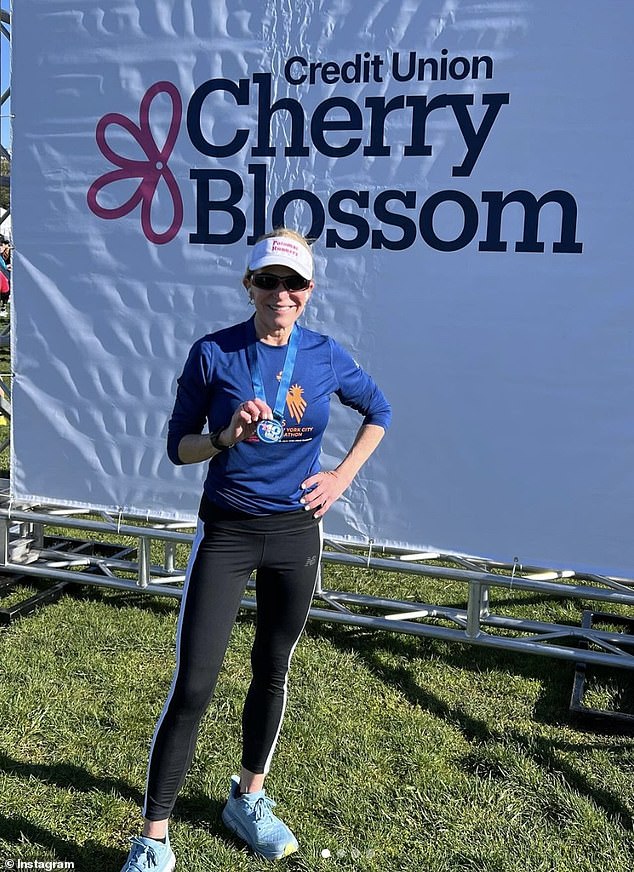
[[607, 720]]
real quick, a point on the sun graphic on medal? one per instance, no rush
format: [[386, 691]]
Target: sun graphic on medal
[[295, 400]]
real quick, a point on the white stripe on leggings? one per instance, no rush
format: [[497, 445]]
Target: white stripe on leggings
[[200, 529], [267, 764]]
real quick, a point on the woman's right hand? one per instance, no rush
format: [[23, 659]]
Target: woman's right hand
[[244, 421]]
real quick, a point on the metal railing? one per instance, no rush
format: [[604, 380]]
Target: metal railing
[[73, 545]]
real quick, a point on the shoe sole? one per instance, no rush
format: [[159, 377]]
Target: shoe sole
[[235, 829]]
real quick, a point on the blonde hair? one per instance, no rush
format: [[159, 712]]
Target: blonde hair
[[281, 231]]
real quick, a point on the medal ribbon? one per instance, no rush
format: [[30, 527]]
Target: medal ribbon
[[287, 372]]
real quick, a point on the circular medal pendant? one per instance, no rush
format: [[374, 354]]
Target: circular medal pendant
[[270, 431]]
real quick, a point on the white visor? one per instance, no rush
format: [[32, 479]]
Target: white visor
[[284, 251]]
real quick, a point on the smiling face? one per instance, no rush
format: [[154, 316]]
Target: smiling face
[[276, 311]]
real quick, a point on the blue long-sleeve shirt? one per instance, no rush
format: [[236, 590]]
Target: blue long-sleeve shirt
[[253, 476]]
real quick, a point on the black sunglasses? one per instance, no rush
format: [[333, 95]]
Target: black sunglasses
[[269, 282]]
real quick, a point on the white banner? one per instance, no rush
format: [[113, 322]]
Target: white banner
[[466, 169]]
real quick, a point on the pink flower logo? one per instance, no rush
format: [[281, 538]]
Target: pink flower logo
[[150, 171]]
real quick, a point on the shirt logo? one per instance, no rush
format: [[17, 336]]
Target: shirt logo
[[295, 400]]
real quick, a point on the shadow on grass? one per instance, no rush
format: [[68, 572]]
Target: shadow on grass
[[550, 708], [67, 776], [129, 599], [192, 808], [479, 733], [90, 856], [126, 599]]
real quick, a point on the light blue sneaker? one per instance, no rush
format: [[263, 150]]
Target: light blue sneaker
[[148, 855], [250, 817]]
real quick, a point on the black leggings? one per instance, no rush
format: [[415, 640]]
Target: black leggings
[[285, 549]]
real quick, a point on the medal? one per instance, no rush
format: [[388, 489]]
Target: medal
[[271, 430]]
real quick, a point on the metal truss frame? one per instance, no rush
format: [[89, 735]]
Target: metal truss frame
[[62, 544]]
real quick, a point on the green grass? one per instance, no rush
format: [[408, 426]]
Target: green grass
[[397, 752]]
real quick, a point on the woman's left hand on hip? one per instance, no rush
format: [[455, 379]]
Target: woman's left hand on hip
[[324, 488]]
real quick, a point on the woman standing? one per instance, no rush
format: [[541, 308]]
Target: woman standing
[[263, 387]]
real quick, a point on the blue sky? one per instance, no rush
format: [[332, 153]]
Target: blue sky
[[4, 80]]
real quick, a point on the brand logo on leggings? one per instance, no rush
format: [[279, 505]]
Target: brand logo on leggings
[[311, 561]]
